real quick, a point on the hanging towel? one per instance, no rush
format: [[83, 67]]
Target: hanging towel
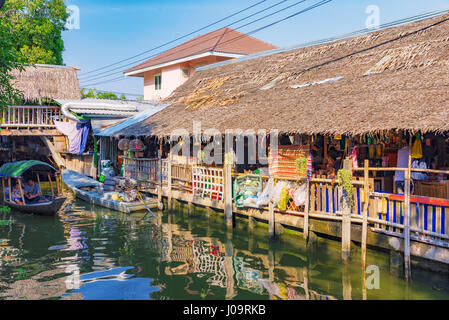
[[77, 134]]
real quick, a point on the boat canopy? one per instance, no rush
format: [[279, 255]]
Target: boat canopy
[[16, 169]]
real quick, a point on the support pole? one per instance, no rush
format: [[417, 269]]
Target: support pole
[[306, 211], [365, 212], [346, 221], [407, 216], [169, 198], [21, 190], [4, 190], [271, 217], [10, 190], [228, 190], [51, 186]]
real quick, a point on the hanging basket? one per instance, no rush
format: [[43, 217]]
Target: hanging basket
[[136, 145], [123, 144]]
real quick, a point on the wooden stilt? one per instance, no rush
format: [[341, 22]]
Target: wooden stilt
[[365, 213], [271, 217], [169, 180], [51, 185], [228, 190], [346, 222], [407, 216], [21, 190], [4, 190], [10, 189], [306, 211]]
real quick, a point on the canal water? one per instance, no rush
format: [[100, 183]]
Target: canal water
[[88, 252]]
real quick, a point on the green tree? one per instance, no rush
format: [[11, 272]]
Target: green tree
[[94, 93], [39, 25], [9, 58]]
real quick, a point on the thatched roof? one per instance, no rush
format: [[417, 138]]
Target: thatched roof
[[397, 78], [45, 81]]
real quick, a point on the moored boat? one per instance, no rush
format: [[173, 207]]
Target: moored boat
[[85, 188], [13, 174]]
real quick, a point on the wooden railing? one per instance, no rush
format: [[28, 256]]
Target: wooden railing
[[30, 116], [145, 171]]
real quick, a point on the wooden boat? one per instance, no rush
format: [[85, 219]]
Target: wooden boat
[[85, 188], [48, 205]]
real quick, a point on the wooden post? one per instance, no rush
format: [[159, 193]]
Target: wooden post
[[169, 198], [21, 190], [365, 212], [4, 191], [271, 216], [407, 216], [228, 189], [58, 183], [306, 211], [51, 185], [38, 178], [346, 221], [10, 190]]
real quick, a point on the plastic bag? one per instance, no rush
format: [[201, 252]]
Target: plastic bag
[[283, 199], [417, 149], [275, 194], [264, 196], [299, 196]]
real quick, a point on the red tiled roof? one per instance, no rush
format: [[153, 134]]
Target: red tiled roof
[[224, 40]]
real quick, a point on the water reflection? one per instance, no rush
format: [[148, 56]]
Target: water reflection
[[91, 253]]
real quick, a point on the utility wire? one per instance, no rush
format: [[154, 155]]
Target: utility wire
[[318, 4], [179, 38], [95, 75]]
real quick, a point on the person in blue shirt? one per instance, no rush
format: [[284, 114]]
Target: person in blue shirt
[[32, 191]]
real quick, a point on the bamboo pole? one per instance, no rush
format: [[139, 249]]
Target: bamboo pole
[[51, 185], [407, 216], [306, 212], [38, 178], [271, 216], [227, 179], [365, 214], [10, 190], [4, 190], [21, 190], [346, 222]]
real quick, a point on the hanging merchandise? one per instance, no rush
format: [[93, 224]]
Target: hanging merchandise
[[123, 144], [417, 148], [136, 145], [299, 196], [283, 199], [371, 151], [263, 198], [379, 151], [276, 192], [355, 162]]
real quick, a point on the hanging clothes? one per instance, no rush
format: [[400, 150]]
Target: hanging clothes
[[355, 162], [76, 132]]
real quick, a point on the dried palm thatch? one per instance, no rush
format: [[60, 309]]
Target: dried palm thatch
[[393, 79], [47, 82]]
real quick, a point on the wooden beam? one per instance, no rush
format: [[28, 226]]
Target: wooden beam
[[407, 215], [346, 222], [365, 213]]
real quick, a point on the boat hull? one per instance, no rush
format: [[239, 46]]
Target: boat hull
[[43, 209], [76, 181]]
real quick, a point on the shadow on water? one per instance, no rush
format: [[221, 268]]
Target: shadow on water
[[88, 252]]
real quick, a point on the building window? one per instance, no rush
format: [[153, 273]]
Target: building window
[[186, 73], [158, 82]]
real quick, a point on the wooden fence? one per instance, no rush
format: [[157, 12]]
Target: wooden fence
[[30, 116]]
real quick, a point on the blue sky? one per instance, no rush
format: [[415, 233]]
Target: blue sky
[[112, 30]]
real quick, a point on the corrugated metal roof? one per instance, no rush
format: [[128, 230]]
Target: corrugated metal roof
[[139, 117], [107, 108]]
